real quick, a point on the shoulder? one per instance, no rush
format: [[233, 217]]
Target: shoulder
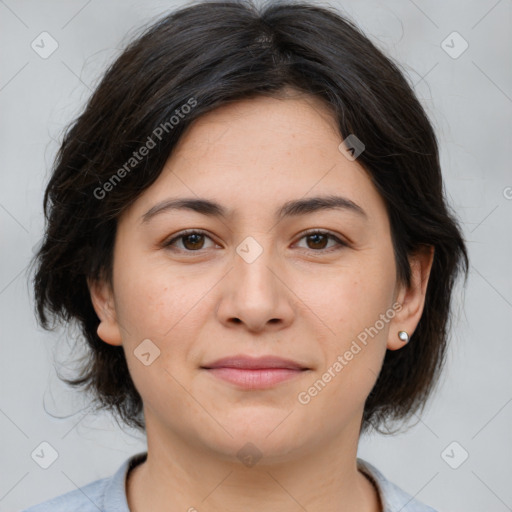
[[104, 494], [393, 497], [87, 498]]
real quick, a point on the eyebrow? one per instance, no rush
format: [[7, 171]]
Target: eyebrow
[[292, 208]]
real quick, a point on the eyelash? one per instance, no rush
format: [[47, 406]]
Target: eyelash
[[340, 243]]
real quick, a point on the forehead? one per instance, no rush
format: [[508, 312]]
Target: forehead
[[260, 153]]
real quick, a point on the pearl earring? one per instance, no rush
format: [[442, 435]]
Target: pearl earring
[[403, 336]]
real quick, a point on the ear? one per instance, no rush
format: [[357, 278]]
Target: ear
[[102, 298], [411, 298]]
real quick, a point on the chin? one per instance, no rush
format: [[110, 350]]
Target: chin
[[270, 441]]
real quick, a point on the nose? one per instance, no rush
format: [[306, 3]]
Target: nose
[[255, 293]]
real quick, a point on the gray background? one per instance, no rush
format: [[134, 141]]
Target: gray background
[[469, 99]]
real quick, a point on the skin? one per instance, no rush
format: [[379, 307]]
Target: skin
[[300, 299]]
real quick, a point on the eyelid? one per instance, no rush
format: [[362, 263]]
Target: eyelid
[[340, 241], [168, 241], [326, 232]]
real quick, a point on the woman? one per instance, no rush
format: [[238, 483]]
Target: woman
[[248, 224]]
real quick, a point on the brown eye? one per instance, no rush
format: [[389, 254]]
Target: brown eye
[[194, 241], [191, 241], [317, 241]]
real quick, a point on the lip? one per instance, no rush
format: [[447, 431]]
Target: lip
[[255, 363], [255, 372]]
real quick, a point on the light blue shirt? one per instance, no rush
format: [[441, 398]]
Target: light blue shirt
[[109, 494]]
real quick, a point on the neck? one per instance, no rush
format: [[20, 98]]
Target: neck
[[179, 475]]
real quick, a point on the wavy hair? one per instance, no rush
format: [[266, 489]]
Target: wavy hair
[[216, 53]]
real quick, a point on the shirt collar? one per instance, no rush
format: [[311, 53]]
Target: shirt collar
[[391, 497], [115, 492]]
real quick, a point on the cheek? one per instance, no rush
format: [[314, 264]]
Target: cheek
[[356, 308], [155, 300], [354, 298], [164, 308], [353, 355], [169, 308]]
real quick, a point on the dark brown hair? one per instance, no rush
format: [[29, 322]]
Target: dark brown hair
[[206, 55]]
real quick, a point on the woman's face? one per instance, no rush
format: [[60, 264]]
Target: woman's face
[[254, 283]]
